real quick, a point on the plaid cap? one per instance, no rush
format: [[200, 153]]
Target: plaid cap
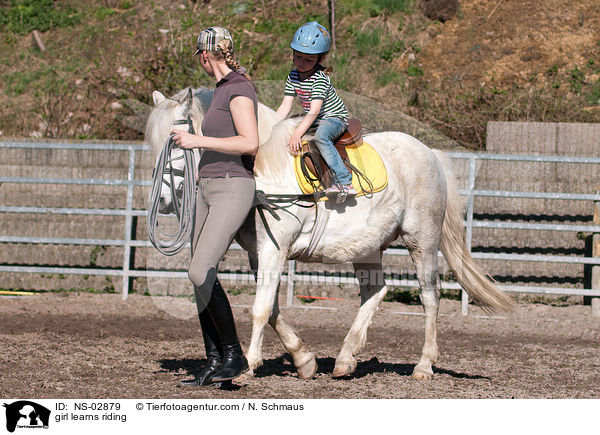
[[209, 39]]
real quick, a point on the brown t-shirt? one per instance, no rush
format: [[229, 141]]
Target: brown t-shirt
[[218, 122]]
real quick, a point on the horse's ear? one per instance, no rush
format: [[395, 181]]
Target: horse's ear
[[190, 97], [158, 97]]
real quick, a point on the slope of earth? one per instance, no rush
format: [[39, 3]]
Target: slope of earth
[[494, 60], [508, 60]]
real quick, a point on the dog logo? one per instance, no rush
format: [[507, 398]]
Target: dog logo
[[26, 414]]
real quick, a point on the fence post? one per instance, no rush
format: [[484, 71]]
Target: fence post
[[128, 223], [290, 284], [596, 253], [469, 231], [332, 25]]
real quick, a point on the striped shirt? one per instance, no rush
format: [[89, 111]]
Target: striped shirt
[[316, 87]]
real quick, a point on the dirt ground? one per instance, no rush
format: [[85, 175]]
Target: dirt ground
[[495, 42], [98, 346]]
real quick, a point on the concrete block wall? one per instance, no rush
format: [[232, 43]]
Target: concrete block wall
[[62, 163], [561, 139]]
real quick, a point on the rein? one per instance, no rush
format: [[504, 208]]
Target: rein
[[184, 207]]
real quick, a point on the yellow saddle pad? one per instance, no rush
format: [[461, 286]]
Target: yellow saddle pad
[[365, 159]]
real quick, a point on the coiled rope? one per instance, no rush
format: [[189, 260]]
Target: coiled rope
[[171, 244]]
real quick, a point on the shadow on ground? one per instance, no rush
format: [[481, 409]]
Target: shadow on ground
[[283, 366]]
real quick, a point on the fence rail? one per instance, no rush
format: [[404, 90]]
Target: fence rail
[[291, 276]]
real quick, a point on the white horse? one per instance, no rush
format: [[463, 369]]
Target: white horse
[[420, 204]]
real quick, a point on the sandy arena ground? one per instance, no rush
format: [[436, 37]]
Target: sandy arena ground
[[98, 346]]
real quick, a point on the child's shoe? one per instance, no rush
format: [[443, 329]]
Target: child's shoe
[[341, 193]]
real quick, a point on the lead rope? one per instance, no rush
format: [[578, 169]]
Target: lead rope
[[184, 208]]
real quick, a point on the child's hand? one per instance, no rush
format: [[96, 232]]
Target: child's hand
[[295, 143]]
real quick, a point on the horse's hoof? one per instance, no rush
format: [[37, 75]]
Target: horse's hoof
[[308, 369], [244, 377], [254, 364], [422, 374], [345, 368]]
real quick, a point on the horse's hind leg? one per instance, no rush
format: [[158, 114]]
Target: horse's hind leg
[[372, 292], [424, 251]]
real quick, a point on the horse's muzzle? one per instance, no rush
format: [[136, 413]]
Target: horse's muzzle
[[164, 207]]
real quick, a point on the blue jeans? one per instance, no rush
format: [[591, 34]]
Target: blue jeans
[[328, 130]]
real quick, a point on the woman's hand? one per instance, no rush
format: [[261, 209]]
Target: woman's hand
[[185, 140]]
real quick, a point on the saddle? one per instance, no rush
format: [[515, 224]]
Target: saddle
[[316, 165], [369, 174]]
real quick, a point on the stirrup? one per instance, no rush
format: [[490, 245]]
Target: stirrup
[[341, 193], [341, 197]]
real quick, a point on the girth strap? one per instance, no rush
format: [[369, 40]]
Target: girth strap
[[272, 203], [321, 220]]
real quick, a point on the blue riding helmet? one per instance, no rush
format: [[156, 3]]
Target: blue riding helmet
[[311, 38]]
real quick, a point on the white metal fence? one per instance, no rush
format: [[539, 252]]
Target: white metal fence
[[291, 277]]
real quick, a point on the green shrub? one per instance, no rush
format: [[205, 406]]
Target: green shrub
[[414, 71], [17, 83], [24, 16], [34, 81], [341, 71], [388, 77], [576, 80], [391, 50], [366, 42], [320, 18], [394, 5], [102, 13], [373, 8], [593, 95]]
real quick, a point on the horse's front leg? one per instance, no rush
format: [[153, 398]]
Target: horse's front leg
[[304, 360], [266, 310], [372, 292], [271, 263]]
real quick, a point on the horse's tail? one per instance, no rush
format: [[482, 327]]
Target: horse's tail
[[469, 274]]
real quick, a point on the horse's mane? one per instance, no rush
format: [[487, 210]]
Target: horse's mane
[[204, 97], [273, 155], [160, 121]]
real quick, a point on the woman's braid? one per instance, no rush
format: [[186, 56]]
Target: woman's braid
[[226, 49]]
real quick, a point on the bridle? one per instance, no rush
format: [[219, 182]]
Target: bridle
[[176, 172]]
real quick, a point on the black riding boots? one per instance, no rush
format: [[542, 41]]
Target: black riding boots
[[233, 365], [213, 353], [225, 357]]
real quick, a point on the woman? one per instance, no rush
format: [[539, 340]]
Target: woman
[[224, 198]]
